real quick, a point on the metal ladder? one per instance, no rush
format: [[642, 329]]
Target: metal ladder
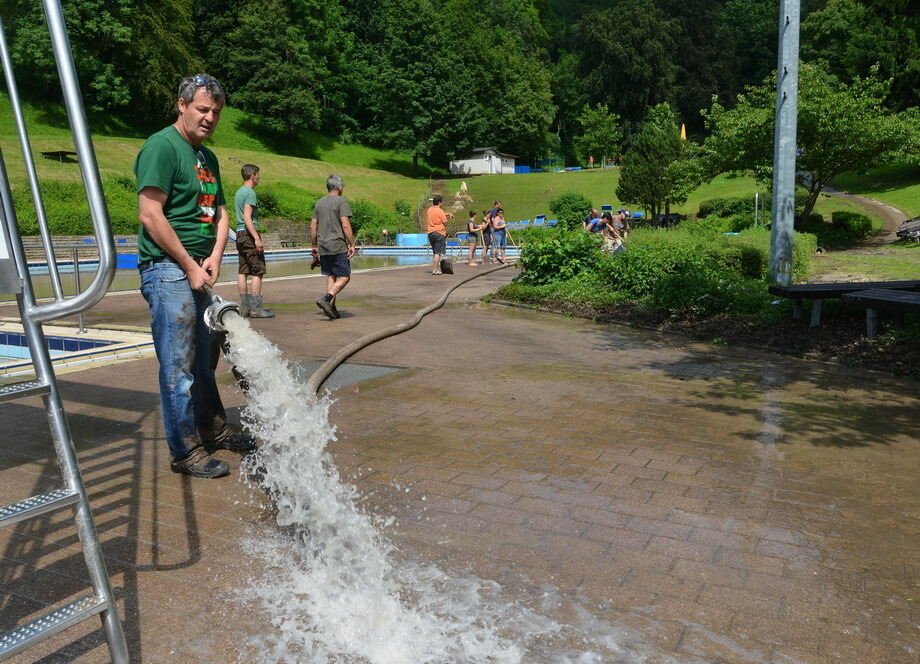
[[14, 279]]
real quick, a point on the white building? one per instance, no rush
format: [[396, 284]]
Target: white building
[[484, 161]]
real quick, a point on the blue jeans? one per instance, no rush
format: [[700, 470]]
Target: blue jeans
[[183, 343]]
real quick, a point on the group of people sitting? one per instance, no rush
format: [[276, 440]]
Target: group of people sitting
[[491, 233], [614, 228]]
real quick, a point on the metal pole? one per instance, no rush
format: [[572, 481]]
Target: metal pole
[[784, 146], [76, 277]]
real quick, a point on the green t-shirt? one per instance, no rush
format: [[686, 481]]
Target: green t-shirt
[[246, 196], [191, 180], [330, 237]]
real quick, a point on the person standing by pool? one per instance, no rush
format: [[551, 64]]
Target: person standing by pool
[[473, 229], [333, 242], [437, 231], [249, 247], [499, 236], [183, 232], [486, 227]]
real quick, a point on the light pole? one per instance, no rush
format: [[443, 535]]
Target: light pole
[[784, 144]]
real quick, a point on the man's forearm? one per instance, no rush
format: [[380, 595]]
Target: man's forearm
[[164, 236], [346, 229]]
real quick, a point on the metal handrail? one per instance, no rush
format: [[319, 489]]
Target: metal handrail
[[89, 171], [25, 147]]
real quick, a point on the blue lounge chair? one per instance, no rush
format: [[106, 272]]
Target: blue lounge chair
[[552, 223], [538, 222]]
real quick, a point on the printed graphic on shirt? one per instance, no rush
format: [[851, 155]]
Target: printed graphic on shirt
[[208, 196]]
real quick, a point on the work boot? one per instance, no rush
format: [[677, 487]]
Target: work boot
[[229, 438], [256, 310], [198, 463], [335, 311], [244, 306], [326, 308]]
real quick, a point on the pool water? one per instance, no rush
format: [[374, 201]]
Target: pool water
[[129, 278], [13, 345]]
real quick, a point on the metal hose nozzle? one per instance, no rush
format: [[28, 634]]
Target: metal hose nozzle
[[215, 314]]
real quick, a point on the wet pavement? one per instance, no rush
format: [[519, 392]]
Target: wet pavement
[[702, 503]]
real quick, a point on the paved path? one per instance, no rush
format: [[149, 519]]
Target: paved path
[[704, 504], [891, 216]]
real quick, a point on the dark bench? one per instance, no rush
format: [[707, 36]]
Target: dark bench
[[881, 299], [910, 229], [60, 155], [818, 292]]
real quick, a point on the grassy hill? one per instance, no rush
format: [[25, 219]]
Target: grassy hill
[[896, 185]]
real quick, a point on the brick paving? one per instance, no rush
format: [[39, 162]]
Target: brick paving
[[721, 504]]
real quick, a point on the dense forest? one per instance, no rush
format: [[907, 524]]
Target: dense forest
[[536, 78]]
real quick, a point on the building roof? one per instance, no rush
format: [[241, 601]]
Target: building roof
[[495, 150]]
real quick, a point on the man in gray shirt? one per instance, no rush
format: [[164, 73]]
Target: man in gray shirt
[[333, 242]]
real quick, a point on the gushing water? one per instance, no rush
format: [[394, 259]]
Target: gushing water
[[333, 588]]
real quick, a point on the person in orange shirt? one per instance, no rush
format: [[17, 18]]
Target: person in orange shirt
[[437, 231]]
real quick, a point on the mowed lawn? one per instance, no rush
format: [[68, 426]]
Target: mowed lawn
[[898, 186]]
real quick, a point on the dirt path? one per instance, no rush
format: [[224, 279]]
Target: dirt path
[[891, 216]]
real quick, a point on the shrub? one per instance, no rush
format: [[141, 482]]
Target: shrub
[[858, 225], [368, 222], [727, 207], [570, 208], [559, 256], [283, 201], [402, 208], [843, 234], [532, 234], [67, 210]]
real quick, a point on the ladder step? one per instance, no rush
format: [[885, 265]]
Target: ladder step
[[36, 505], [46, 626], [21, 390]]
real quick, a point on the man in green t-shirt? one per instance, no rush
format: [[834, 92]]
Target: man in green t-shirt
[[249, 247], [183, 232]]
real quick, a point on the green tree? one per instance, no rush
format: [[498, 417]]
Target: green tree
[[99, 31], [274, 58], [627, 57], [404, 87], [160, 53], [568, 98], [748, 31], [600, 133], [659, 169], [841, 128], [851, 36], [703, 63]]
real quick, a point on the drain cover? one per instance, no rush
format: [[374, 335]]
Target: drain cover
[[346, 374]]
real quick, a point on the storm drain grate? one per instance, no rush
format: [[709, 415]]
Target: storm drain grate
[[346, 374]]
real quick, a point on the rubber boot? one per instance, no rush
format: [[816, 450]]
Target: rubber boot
[[244, 306], [256, 310]]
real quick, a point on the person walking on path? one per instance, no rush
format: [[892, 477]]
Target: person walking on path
[[473, 229], [249, 247], [333, 242], [437, 231], [181, 240]]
